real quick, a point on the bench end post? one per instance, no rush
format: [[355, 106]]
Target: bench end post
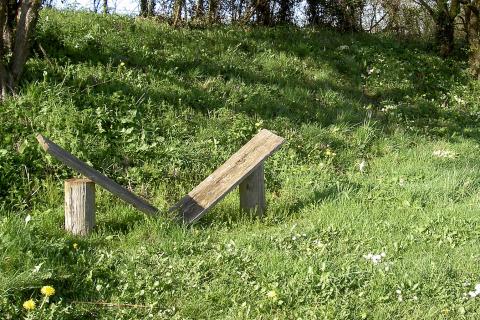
[[252, 192], [79, 206]]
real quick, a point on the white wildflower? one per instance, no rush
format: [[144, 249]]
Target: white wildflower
[[458, 100], [37, 267], [28, 218], [399, 295], [476, 292], [375, 258], [445, 154], [362, 166]]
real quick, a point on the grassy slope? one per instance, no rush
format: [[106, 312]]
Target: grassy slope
[[159, 109]]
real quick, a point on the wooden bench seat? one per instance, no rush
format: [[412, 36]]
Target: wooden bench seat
[[97, 177], [245, 167]]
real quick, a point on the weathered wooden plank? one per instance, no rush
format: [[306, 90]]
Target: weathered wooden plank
[[227, 176], [79, 206], [252, 192], [97, 177]]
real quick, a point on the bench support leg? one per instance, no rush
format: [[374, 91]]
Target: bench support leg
[[252, 192], [79, 206]]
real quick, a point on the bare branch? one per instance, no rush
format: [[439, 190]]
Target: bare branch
[[424, 4], [377, 23]]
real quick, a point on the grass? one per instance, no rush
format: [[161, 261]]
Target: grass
[[158, 109]]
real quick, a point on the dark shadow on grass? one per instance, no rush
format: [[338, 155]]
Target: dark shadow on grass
[[311, 45], [232, 215]]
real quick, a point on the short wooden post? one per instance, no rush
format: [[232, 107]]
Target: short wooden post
[[252, 192], [79, 206]]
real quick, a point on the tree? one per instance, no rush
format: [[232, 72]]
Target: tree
[[96, 5], [213, 11], [147, 8], [105, 6], [285, 11], [177, 11], [443, 13], [349, 14], [18, 19], [262, 10], [344, 15], [472, 18], [312, 12], [199, 9]]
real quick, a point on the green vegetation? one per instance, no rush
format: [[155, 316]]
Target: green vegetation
[[159, 109]]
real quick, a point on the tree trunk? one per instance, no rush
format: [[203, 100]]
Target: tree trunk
[[18, 21], [177, 14], [313, 16], [474, 39], [347, 14], [285, 11], [444, 15], [212, 11], [105, 6], [263, 12], [151, 8], [4, 82], [445, 29], [466, 22], [143, 8], [199, 9]]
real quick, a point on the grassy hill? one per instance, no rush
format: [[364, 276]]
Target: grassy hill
[[159, 109]]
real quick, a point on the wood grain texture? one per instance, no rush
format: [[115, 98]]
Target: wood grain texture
[[79, 206], [97, 177], [229, 175], [252, 192]]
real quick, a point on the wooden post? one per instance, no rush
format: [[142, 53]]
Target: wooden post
[[252, 192], [79, 206]]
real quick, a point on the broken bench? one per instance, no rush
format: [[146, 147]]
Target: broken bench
[[244, 168]]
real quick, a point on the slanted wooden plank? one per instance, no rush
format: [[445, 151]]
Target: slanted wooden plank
[[97, 177], [227, 176]]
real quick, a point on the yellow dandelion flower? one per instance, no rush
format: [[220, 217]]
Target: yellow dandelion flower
[[272, 295], [47, 291], [29, 305]]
